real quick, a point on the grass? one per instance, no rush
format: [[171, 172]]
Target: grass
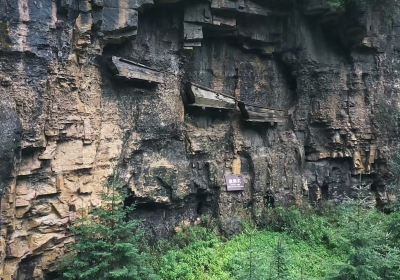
[[305, 261], [315, 246], [216, 259]]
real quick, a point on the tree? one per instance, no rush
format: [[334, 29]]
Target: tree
[[279, 269], [108, 244], [370, 256]]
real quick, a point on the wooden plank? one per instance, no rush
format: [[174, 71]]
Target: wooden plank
[[192, 31], [224, 22], [227, 5], [262, 30], [315, 7], [240, 6], [202, 97], [131, 70], [188, 45], [254, 113], [253, 8], [265, 49], [198, 13]]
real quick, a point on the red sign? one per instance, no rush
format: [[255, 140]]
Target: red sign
[[234, 183]]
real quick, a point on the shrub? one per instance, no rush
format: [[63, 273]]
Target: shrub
[[192, 254], [394, 228], [370, 255], [304, 224], [279, 269], [108, 245]]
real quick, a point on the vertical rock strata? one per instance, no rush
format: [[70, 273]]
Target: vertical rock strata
[[69, 116]]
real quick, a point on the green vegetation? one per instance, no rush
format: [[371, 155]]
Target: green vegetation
[[108, 245], [351, 242], [272, 255]]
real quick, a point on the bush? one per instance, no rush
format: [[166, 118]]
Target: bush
[[394, 229], [304, 224], [279, 269], [370, 254], [192, 254], [108, 245]]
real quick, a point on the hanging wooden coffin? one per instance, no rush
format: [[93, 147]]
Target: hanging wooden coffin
[[130, 70], [203, 97], [315, 7], [253, 113], [240, 6]]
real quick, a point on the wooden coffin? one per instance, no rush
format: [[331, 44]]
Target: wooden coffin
[[193, 35], [207, 98], [240, 6], [224, 22], [200, 15], [197, 13], [192, 31], [130, 70], [265, 49], [315, 7], [252, 113], [262, 30]]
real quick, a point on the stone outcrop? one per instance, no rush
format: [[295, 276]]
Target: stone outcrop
[[10, 138], [89, 87]]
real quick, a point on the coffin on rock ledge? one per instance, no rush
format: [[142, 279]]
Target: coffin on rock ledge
[[252, 113], [133, 71], [207, 98]]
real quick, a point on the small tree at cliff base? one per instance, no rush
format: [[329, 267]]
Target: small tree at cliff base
[[108, 244], [279, 269], [373, 253]]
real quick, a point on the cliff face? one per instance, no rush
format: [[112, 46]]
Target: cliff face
[[89, 87]]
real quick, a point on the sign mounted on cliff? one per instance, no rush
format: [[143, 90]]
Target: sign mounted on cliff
[[234, 183]]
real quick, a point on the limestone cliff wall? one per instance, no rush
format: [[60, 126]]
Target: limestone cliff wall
[[68, 121]]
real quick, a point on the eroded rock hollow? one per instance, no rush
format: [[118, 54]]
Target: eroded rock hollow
[[295, 96]]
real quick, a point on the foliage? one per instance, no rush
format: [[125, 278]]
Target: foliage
[[394, 229], [349, 242], [217, 259], [279, 269], [304, 224], [193, 256], [250, 264], [108, 245], [371, 255]]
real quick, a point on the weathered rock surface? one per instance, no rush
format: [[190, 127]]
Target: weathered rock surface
[[67, 119], [10, 138]]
